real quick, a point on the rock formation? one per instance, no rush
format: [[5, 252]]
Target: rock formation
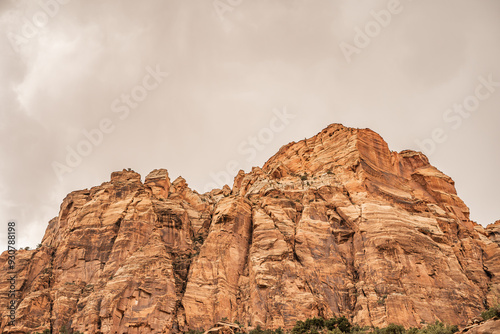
[[333, 225], [491, 326]]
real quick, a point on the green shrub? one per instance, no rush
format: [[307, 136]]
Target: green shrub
[[299, 328], [439, 328], [335, 331], [316, 323], [394, 329], [63, 329], [491, 312], [257, 330], [381, 300], [359, 330], [341, 323]]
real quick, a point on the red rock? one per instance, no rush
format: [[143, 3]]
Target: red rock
[[333, 225]]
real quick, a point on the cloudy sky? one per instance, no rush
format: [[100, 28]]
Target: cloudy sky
[[205, 87]]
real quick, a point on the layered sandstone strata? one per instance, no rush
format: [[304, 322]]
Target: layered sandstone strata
[[333, 225]]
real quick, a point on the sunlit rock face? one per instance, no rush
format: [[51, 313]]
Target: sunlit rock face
[[333, 225]]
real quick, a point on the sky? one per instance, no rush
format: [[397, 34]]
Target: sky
[[204, 88]]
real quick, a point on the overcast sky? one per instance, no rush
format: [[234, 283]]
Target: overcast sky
[[203, 88]]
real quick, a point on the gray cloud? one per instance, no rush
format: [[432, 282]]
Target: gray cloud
[[226, 76]]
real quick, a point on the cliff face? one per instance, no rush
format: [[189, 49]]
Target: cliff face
[[333, 225]]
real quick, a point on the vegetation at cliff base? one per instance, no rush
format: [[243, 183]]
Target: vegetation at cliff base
[[342, 325], [314, 325], [491, 313], [335, 326]]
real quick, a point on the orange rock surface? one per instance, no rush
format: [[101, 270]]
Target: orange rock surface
[[333, 225]]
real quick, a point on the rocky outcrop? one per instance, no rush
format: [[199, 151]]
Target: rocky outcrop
[[491, 326], [491, 231], [332, 225]]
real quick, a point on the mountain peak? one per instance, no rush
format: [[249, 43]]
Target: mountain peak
[[333, 225]]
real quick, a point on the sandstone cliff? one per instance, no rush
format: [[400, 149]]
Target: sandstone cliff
[[333, 225]]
